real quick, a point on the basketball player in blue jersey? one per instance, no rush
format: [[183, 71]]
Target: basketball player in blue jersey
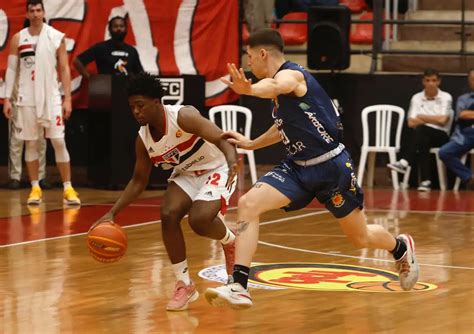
[[203, 179], [317, 165]]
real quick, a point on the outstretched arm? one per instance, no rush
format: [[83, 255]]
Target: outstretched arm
[[190, 120], [284, 82], [270, 137], [137, 183]]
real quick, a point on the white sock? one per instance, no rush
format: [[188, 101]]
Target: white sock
[[228, 238], [67, 185], [35, 184], [181, 272]]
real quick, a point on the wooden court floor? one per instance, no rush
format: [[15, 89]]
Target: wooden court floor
[[306, 277]]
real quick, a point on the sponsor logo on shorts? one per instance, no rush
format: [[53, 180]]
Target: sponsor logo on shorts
[[151, 150], [179, 133], [208, 193], [353, 187], [276, 176], [337, 200]]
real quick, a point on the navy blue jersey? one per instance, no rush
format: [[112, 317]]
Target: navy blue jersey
[[308, 125]]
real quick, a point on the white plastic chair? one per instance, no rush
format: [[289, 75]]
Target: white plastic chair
[[383, 133], [441, 169], [463, 160], [229, 121]]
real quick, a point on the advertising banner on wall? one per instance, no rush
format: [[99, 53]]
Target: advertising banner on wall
[[172, 37]]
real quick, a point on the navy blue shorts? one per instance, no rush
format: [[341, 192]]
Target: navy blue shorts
[[333, 183]]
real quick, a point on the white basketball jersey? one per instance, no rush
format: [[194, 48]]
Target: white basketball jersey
[[178, 149], [26, 84]]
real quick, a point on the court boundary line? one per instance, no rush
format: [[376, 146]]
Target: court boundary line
[[302, 250], [149, 223], [268, 244]]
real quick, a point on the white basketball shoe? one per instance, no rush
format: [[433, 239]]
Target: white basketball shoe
[[407, 266], [230, 294]]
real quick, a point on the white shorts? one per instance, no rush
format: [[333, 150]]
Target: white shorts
[[27, 127], [208, 186]]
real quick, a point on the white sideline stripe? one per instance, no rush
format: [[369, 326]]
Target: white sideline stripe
[[149, 223], [356, 257], [263, 242]]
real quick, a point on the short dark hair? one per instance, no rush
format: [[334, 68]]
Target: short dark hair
[[124, 19], [34, 3], [145, 84], [266, 37], [429, 72]]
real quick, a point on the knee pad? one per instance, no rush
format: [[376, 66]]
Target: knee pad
[[31, 150], [60, 149]]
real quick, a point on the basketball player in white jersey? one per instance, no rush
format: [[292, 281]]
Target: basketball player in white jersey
[[203, 179], [35, 51]]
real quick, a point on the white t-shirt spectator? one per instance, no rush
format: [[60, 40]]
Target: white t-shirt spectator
[[440, 105]]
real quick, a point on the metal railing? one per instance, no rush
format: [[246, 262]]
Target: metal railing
[[382, 44], [380, 47]]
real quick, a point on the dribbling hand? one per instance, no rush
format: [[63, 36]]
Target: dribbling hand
[[108, 217]]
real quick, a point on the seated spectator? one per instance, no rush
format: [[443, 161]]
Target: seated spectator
[[462, 140], [429, 116]]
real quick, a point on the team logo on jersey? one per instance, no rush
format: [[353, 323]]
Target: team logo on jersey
[[171, 156], [317, 276], [179, 133], [304, 106], [337, 200]]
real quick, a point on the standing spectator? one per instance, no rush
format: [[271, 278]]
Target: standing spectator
[[112, 56], [258, 14], [430, 118], [462, 139], [35, 53]]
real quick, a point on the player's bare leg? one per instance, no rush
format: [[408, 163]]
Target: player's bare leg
[[176, 204], [205, 219], [261, 198], [374, 236]]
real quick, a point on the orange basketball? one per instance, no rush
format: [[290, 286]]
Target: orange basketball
[[107, 242]]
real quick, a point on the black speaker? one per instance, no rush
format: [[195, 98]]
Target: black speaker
[[328, 37]]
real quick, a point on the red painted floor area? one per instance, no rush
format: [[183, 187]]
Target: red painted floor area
[[44, 225]]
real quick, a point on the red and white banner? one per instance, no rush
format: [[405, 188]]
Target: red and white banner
[[173, 37]]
